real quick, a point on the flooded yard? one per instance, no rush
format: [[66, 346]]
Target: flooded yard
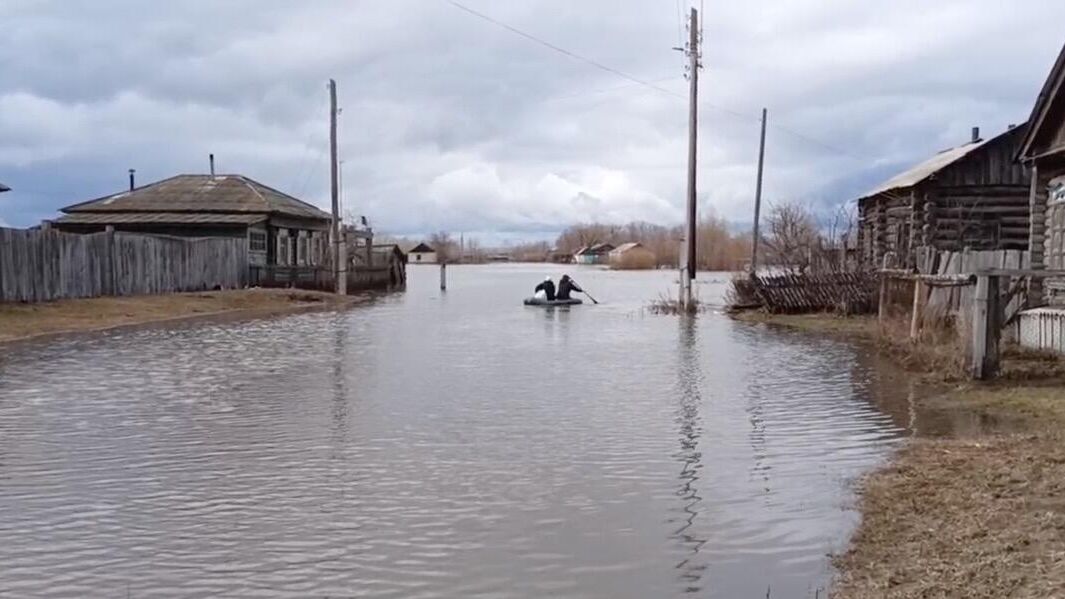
[[437, 444]]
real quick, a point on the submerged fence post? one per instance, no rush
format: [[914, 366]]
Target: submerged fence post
[[443, 276]]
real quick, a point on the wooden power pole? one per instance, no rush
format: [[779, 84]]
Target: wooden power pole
[[689, 258], [339, 270], [758, 198]]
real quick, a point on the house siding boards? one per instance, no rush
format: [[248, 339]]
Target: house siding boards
[[279, 229], [972, 196]]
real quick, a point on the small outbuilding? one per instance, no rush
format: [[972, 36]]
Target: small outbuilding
[[632, 256], [422, 254], [973, 196]]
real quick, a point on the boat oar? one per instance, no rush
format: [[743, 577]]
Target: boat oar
[[594, 301]]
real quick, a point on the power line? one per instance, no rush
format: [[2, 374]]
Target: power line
[[649, 84], [561, 50]]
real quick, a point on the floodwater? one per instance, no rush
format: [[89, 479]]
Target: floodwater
[[436, 444]]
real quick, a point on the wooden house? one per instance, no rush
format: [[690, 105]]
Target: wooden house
[[1043, 150], [972, 196], [280, 229], [632, 256], [597, 253], [422, 253]]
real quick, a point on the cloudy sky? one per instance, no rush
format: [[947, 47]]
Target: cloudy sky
[[453, 123]]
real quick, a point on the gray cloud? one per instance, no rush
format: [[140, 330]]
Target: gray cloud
[[452, 123]]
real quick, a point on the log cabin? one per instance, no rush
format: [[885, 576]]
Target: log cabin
[[1043, 150], [972, 196]]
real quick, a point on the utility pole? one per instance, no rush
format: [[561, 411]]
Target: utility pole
[[688, 264], [758, 197], [339, 272]]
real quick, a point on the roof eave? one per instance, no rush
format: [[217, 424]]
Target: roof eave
[[1051, 87]]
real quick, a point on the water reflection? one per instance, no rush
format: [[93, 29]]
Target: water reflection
[[437, 446], [689, 383]]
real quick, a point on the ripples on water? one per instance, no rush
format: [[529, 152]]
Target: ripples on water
[[434, 445]]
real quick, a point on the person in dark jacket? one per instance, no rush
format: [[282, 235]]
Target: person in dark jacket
[[566, 286], [548, 287]]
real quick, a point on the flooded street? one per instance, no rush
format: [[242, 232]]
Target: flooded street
[[440, 445]]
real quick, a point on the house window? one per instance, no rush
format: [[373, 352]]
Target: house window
[[417, 257], [283, 251], [257, 241], [301, 250]]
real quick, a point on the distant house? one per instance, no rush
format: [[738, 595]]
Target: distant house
[[4, 188], [280, 229], [421, 254], [972, 196], [598, 253], [632, 256]]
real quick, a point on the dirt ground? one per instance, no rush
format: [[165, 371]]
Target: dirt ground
[[976, 517], [27, 321]]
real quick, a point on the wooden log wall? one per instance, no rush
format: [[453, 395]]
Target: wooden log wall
[[45, 265]]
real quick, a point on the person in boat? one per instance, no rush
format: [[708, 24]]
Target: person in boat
[[548, 287], [566, 286]]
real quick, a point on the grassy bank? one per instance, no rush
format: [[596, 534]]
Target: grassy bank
[[27, 321], [981, 516]]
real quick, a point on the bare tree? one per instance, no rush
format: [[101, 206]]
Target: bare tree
[[792, 237], [445, 246]]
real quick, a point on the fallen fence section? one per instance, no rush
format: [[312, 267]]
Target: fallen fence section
[[848, 293], [44, 265]]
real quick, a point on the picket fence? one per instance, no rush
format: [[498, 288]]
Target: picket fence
[[44, 265]]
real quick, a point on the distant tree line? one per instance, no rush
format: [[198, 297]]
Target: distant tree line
[[717, 248], [792, 240]]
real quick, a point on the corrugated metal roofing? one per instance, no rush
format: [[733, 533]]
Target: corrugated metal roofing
[[159, 218], [201, 194], [927, 168]]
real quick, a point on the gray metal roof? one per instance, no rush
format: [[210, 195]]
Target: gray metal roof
[[926, 169], [202, 194], [627, 246], [159, 218]]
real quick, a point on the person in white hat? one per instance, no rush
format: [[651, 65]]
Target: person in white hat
[[548, 289]]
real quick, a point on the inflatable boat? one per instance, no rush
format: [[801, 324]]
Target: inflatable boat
[[535, 301]]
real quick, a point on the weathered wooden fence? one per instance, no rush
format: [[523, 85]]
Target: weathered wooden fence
[[43, 265], [321, 278], [846, 292]]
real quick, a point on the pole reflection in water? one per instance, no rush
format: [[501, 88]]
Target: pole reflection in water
[[437, 446], [689, 382]]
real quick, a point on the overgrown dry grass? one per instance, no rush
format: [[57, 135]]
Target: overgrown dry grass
[[950, 518], [21, 321], [668, 305], [977, 517]]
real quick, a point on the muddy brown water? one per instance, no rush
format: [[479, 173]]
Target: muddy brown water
[[436, 444]]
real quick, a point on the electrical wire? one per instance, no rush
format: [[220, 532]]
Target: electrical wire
[[561, 50], [649, 84]]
